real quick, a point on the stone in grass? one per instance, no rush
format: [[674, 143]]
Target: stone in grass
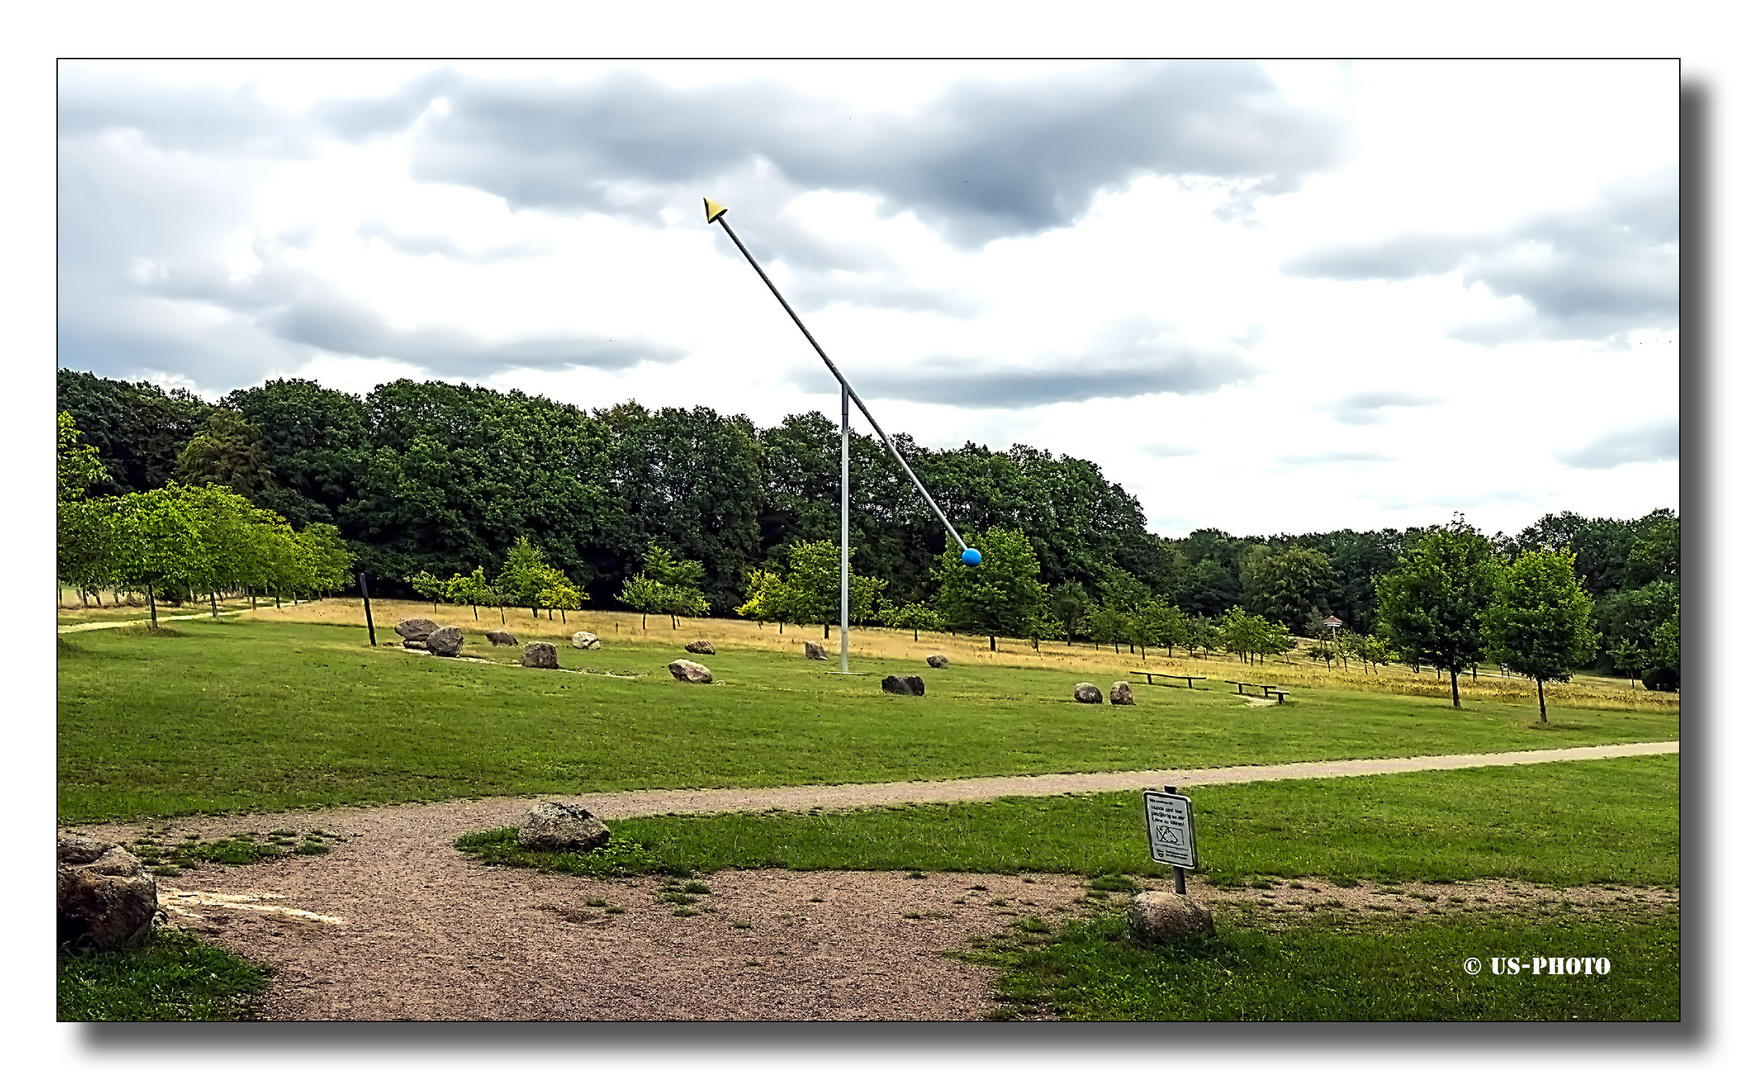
[[903, 684], [105, 895], [419, 646], [559, 826], [585, 640], [688, 671], [813, 650], [539, 654], [1087, 694], [936, 660], [1121, 694], [445, 641], [416, 629], [1163, 916], [501, 637], [702, 646]]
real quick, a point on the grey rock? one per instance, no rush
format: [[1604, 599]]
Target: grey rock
[[539, 654], [1087, 694], [419, 646], [903, 684], [104, 895], [585, 640], [688, 671], [559, 826], [702, 646], [501, 637], [1121, 694], [445, 641], [813, 650], [416, 629], [1163, 916], [936, 660]]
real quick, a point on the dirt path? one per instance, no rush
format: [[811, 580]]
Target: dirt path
[[395, 923]]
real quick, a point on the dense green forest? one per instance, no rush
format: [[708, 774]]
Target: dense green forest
[[437, 479]]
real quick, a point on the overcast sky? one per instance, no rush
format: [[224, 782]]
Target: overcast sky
[[1263, 297]]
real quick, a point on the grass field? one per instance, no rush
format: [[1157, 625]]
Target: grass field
[[292, 708], [275, 711]]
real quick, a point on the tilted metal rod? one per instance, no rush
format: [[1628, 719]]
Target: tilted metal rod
[[718, 216]]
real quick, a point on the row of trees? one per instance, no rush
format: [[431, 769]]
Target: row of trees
[[526, 580], [429, 478], [180, 540]]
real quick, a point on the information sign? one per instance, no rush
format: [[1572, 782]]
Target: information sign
[[1170, 829]]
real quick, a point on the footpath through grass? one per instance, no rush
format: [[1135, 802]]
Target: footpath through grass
[[1562, 824], [262, 715]]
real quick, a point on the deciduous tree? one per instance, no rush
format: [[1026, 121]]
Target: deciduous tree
[[1539, 620], [1430, 603]]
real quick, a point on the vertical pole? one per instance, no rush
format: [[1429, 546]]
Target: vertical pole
[[844, 532], [367, 609], [1181, 878]]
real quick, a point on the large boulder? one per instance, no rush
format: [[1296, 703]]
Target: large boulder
[[936, 660], [688, 671], [501, 637], [903, 684], [1087, 694], [445, 641], [1121, 694], [814, 650], [539, 654], [702, 646], [585, 640], [105, 895], [559, 826], [416, 629], [1163, 916]]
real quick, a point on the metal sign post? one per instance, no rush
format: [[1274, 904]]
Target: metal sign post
[[362, 580], [1170, 832]]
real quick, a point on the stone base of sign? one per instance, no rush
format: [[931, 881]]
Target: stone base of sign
[[1163, 916]]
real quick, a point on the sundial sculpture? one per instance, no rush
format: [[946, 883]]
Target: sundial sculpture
[[971, 556]]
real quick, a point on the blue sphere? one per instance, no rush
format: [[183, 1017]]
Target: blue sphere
[[971, 557]]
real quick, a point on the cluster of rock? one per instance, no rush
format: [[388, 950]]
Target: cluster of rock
[[1087, 694], [539, 654], [425, 634], [903, 684], [813, 650], [105, 896], [936, 660], [702, 646], [559, 826], [688, 671], [1164, 916], [585, 640]]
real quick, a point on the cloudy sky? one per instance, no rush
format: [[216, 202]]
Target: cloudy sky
[[1263, 297]]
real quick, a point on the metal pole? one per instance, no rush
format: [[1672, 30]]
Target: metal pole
[[842, 382], [367, 609], [1181, 877], [844, 532]]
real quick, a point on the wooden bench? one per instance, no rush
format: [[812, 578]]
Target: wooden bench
[[1166, 675], [1267, 690]]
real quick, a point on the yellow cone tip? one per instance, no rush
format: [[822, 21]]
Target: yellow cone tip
[[713, 211]]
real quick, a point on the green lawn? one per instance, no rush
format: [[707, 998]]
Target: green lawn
[[1562, 823], [172, 976], [270, 716]]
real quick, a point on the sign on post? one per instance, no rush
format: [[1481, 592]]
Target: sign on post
[[1170, 829]]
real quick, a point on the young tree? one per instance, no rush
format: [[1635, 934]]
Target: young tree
[[1111, 624], [429, 587], [1429, 604], [768, 599], [812, 586], [1539, 621], [1159, 624], [1199, 633], [473, 589], [667, 586], [156, 541], [915, 617], [1069, 602], [999, 597]]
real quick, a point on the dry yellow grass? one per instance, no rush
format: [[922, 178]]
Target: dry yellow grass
[[873, 643]]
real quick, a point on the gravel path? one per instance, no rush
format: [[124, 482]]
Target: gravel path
[[395, 923]]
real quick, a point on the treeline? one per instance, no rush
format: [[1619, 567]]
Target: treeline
[[435, 480]]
